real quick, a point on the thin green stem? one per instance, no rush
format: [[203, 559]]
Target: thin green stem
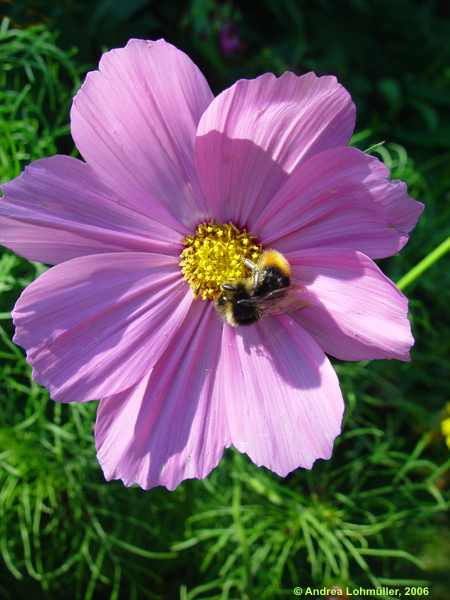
[[424, 264], [241, 534]]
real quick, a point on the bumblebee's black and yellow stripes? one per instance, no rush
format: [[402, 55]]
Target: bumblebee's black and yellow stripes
[[242, 302], [275, 273]]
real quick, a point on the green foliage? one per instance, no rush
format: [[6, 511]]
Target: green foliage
[[36, 81], [366, 517]]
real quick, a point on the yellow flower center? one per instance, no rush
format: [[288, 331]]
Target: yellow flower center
[[214, 255]]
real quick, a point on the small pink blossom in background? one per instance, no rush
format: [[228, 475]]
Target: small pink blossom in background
[[115, 320], [229, 39]]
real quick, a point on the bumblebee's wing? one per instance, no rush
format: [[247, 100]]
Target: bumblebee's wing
[[285, 300], [261, 300]]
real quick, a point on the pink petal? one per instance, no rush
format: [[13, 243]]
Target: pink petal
[[172, 426], [341, 198], [256, 132], [353, 311], [94, 326], [58, 210], [284, 404], [134, 121]]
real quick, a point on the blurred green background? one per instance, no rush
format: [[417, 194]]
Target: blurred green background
[[373, 515]]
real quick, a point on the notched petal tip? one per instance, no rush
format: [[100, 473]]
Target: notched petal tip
[[145, 484], [307, 465]]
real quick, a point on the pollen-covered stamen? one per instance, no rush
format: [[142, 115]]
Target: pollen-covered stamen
[[214, 255]]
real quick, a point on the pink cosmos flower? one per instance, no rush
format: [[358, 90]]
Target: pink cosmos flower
[[116, 320]]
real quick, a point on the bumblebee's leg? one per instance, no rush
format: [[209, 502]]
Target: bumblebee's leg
[[255, 271], [229, 287], [250, 265]]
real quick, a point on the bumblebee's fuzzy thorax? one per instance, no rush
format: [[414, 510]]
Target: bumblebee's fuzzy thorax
[[273, 258]]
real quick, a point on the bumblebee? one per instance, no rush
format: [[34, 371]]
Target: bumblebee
[[245, 301]]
